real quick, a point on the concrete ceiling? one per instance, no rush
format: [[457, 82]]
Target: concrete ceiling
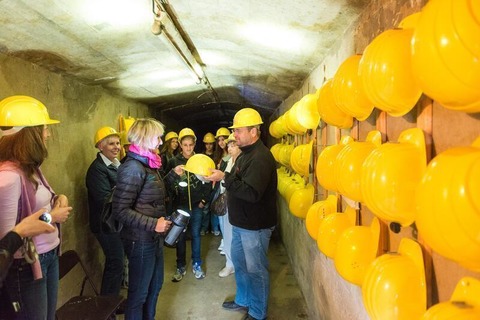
[[246, 52]]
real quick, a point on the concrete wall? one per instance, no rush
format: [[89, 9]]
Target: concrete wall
[[82, 110]]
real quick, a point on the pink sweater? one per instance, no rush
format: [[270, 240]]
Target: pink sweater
[[18, 198]]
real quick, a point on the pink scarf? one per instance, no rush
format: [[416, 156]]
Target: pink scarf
[[154, 160]]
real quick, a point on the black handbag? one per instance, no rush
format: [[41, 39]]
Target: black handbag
[[219, 203]]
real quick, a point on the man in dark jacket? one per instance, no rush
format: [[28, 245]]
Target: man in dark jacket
[[101, 177], [251, 188], [191, 195]]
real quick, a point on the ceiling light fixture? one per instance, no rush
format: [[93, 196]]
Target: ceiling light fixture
[[167, 27]]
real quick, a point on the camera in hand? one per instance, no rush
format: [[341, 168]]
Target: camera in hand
[[179, 220]]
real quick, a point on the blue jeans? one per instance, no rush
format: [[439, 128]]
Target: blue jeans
[[194, 224], [114, 255], [249, 256], [37, 299], [209, 219], [145, 278]]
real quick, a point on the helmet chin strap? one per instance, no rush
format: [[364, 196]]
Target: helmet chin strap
[[189, 198], [11, 131]]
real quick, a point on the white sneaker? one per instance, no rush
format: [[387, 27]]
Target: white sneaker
[[220, 247], [225, 272], [222, 253]]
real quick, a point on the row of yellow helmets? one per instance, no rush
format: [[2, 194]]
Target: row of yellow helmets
[[395, 183], [393, 284], [393, 180], [435, 51]]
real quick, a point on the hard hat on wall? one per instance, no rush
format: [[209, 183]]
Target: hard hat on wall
[[222, 132], [463, 305], [394, 284], [209, 138], [171, 135], [124, 138], [246, 117], [23, 111], [186, 132], [103, 133]]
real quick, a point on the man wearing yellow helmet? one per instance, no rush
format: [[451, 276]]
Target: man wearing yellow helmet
[[251, 190], [101, 177]]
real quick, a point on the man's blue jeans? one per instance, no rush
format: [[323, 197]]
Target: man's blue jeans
[[249, 256], [195, 224], [114, 259], [145, 277]]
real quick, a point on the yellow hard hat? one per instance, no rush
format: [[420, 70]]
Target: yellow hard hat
[[356, 248], [276, 128], [209, 138], [463, 305], [332, 227], [171, 135], [328, 109], [317, 212], [23, 111], [445, 53], [348, 91], [275, 151], [104, 132], [349, 165], [291, 121], [386, 72], [200, 164], [410, 21], [300, 159], [326, 163], [307, 111], [126, 123], [231, 138], [246, 117], [301, 200], [283, 178], [292, 186], [394, 284], [186, 132], [284, 154], [447, 205], [391, 174], [124, 138], [222, 132]]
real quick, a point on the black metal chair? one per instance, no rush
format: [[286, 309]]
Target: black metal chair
[[82, 307]]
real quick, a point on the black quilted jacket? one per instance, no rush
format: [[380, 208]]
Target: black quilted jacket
[[139, 198]]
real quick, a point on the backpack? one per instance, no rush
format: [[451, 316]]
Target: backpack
[[109, 223]]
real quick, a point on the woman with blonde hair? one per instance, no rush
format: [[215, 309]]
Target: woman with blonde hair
[[139, 205], [32, 280]]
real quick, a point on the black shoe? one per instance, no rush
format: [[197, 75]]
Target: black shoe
[[232, 306]]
